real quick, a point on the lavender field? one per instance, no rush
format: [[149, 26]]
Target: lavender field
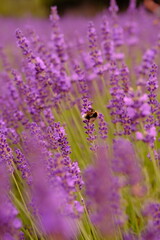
[[80, 127]]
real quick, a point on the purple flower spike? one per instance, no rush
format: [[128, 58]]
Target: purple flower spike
[[90, 131], [113, 8], [125, 162], [147, 61], [152, 85], [50, 202], [124, 72], [6, 153], [108, 45], [23, 43], [95, 53], [132, 5], [103, 126], [23, 166], [152, 212], [57, 36], [9, 223], [102, 190]]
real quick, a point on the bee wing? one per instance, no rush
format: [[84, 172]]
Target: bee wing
[[84, 116]]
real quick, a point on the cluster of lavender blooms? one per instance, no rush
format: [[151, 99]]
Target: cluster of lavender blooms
[[65, 174]]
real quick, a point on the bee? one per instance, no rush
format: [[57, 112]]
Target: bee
[[90, 115]]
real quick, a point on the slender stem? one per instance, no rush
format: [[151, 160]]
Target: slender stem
[[19, 191]]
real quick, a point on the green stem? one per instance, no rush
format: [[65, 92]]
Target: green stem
[[25, 206]]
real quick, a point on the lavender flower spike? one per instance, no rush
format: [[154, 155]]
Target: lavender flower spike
[[6, 153], [102, 190], [57, 36], [113, 9], [103, 126], [152, 85], [50, 203], [9, 223], [125, 162], [95, 53]]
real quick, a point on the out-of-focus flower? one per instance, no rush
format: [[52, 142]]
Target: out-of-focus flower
[[126, 162], [57, 36], [10, 224], [49, 201], [95, 53], [102, 190], [152, 212], [108, 45]]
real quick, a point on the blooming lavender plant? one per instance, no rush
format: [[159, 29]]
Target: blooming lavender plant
[[103, 195], [79, 127], [50, 202]]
